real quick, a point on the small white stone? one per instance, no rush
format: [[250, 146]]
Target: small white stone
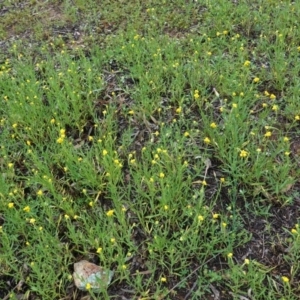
[[86, 272]]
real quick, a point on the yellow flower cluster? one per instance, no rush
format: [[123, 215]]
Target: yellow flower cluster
[[62, 135], [118, 163], [271, 96]]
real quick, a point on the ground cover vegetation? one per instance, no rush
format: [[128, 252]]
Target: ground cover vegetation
[[158, 139]]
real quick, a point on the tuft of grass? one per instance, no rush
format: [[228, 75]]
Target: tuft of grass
[[159, 141]]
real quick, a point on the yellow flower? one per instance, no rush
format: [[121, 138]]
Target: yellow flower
[[213, 125], [186, 134], [258, 150], [234, 105], [196, 94], [247, 63], [112, 240], [32, 220], [163, 279], [110, 213], [216, 216], [204, 182], [88, 286], [104, 152], [285, 279], [178, 110], [166, 207], [224, 224], [294, 231], [99, 250], [246, 261], [297, 118], [131, 112], [272, 97], [39, 193], [244, 153], [275, 107], [229, 255], [60, 140], [222, 179], [200, 218], [286, 139], [10, 205], [26, 209], [256, 80], [206, 140], [268, 134], [161, 175]]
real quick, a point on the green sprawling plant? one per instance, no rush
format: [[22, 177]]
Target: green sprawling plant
[[158, 140]]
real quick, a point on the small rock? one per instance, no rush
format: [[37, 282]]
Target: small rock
[[91, 274]]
